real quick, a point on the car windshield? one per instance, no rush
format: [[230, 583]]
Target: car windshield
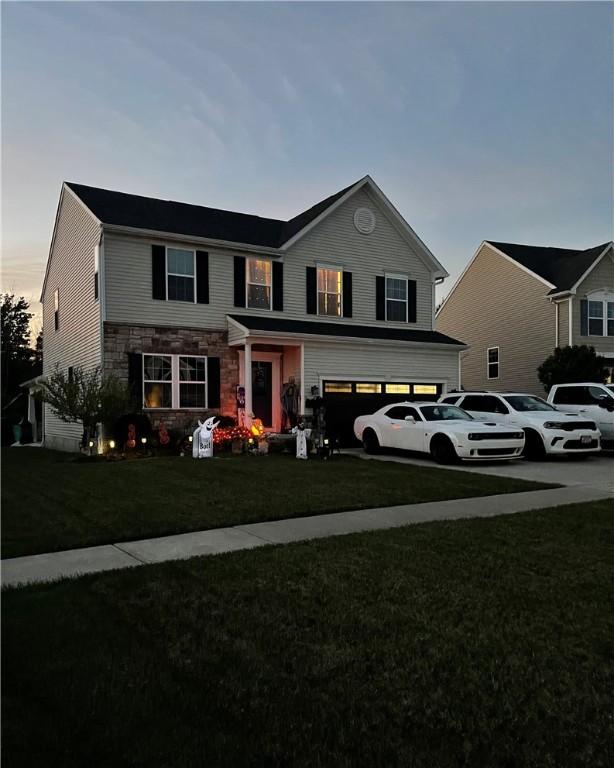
[[444, 413], [528, 403]]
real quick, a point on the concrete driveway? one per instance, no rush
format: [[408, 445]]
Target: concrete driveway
[[592, 471]]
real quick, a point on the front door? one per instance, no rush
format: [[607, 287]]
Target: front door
[[262, 392]]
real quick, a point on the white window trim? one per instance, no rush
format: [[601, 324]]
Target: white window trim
[[176, 274], [386, 299], [175, 382], [248, 283], [603, 296], [334, 268], [489, 363]]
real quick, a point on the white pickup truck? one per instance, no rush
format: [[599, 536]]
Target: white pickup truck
[[590, 400]]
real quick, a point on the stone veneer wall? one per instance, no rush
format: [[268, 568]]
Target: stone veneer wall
[[119, 340]]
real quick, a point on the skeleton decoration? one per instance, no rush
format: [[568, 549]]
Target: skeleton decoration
[[202, 439], [302, 436]]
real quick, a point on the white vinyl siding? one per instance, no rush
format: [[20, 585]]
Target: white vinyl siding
[[368, 362], [77, 340], [334, 241]]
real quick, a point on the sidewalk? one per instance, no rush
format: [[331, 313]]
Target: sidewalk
[[75, 562]]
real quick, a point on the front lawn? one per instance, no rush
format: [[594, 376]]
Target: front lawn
[[50, 501], [485, 642]]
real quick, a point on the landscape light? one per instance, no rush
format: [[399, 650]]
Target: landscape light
[[91, 443], [143, 440], [325, 441], [111, 444], [190, 438]]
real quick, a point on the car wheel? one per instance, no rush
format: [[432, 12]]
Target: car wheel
[[534, 449], [443, 451], [370, 442]]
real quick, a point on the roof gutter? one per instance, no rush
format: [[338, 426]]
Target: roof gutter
[[222, 244]]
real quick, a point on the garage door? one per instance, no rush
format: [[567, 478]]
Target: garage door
[[346, 400]]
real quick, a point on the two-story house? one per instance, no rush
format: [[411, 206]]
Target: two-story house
[[514, 304], [188, 304]]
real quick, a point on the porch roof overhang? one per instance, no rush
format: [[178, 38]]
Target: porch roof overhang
[[257, 328]]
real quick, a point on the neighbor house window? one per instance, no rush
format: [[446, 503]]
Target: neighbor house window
[[492, 362], [329, 291], [610, 318], [56, 309], [258, 277], [192, 382], [174, 381], [595, 318], [180, 274], [96, 270], [157, 381], [396, 298]]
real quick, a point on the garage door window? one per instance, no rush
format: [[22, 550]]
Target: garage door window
[[363, 388], [425, 389], [338, 387]]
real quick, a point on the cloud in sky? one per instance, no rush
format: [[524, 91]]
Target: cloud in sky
[[477, 119]]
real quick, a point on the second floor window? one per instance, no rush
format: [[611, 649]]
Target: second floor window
[[396, 298], [180, 274], [258, 278], [329, 291]]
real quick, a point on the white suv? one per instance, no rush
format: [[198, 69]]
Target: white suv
[[589, 400], [547, 430]]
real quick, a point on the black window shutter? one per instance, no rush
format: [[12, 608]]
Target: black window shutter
[[202, 277], [347, 294], [239, 281], [312, 291], [411, 301], [584, 317], [278, 286], [380, 298], [213, 382], [158, 272], [135, 378]]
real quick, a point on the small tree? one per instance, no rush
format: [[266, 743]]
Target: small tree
[[86, 397], [571, 364]]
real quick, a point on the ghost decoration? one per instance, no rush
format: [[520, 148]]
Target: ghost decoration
[[202, 439], [302, 436]]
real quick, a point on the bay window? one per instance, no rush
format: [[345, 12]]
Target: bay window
[[258, 278], [329, 291], [174, 381]]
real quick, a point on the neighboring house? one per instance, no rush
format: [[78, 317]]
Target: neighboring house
[[181, 301], [514, 304]]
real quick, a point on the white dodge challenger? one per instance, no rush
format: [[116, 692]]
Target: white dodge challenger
[[446, 432]]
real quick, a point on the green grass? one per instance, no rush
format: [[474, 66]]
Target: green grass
[[485, 642], [51, 502]]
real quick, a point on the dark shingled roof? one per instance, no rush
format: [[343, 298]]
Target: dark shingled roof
[[280, 325], [562, 267], [126, 210]]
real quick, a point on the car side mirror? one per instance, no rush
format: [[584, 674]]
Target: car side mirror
[[410, 419]]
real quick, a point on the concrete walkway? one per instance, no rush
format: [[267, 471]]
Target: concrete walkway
[[75, 562]]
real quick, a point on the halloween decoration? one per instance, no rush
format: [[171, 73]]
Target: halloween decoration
[[202, 439], [302, 436], [289, 403], [131, 441], [163, 436]]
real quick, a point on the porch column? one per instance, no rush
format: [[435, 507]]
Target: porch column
[[248, 382]]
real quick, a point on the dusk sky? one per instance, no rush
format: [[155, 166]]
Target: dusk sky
[[479, 121]]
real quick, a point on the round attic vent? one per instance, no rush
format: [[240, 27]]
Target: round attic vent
[[364, 220]]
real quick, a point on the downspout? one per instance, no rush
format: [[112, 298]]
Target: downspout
[[556, 324], [570, 320]]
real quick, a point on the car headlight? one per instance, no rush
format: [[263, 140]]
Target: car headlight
[[554, 425]]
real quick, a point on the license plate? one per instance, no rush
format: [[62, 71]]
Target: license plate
[[586, 439]]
